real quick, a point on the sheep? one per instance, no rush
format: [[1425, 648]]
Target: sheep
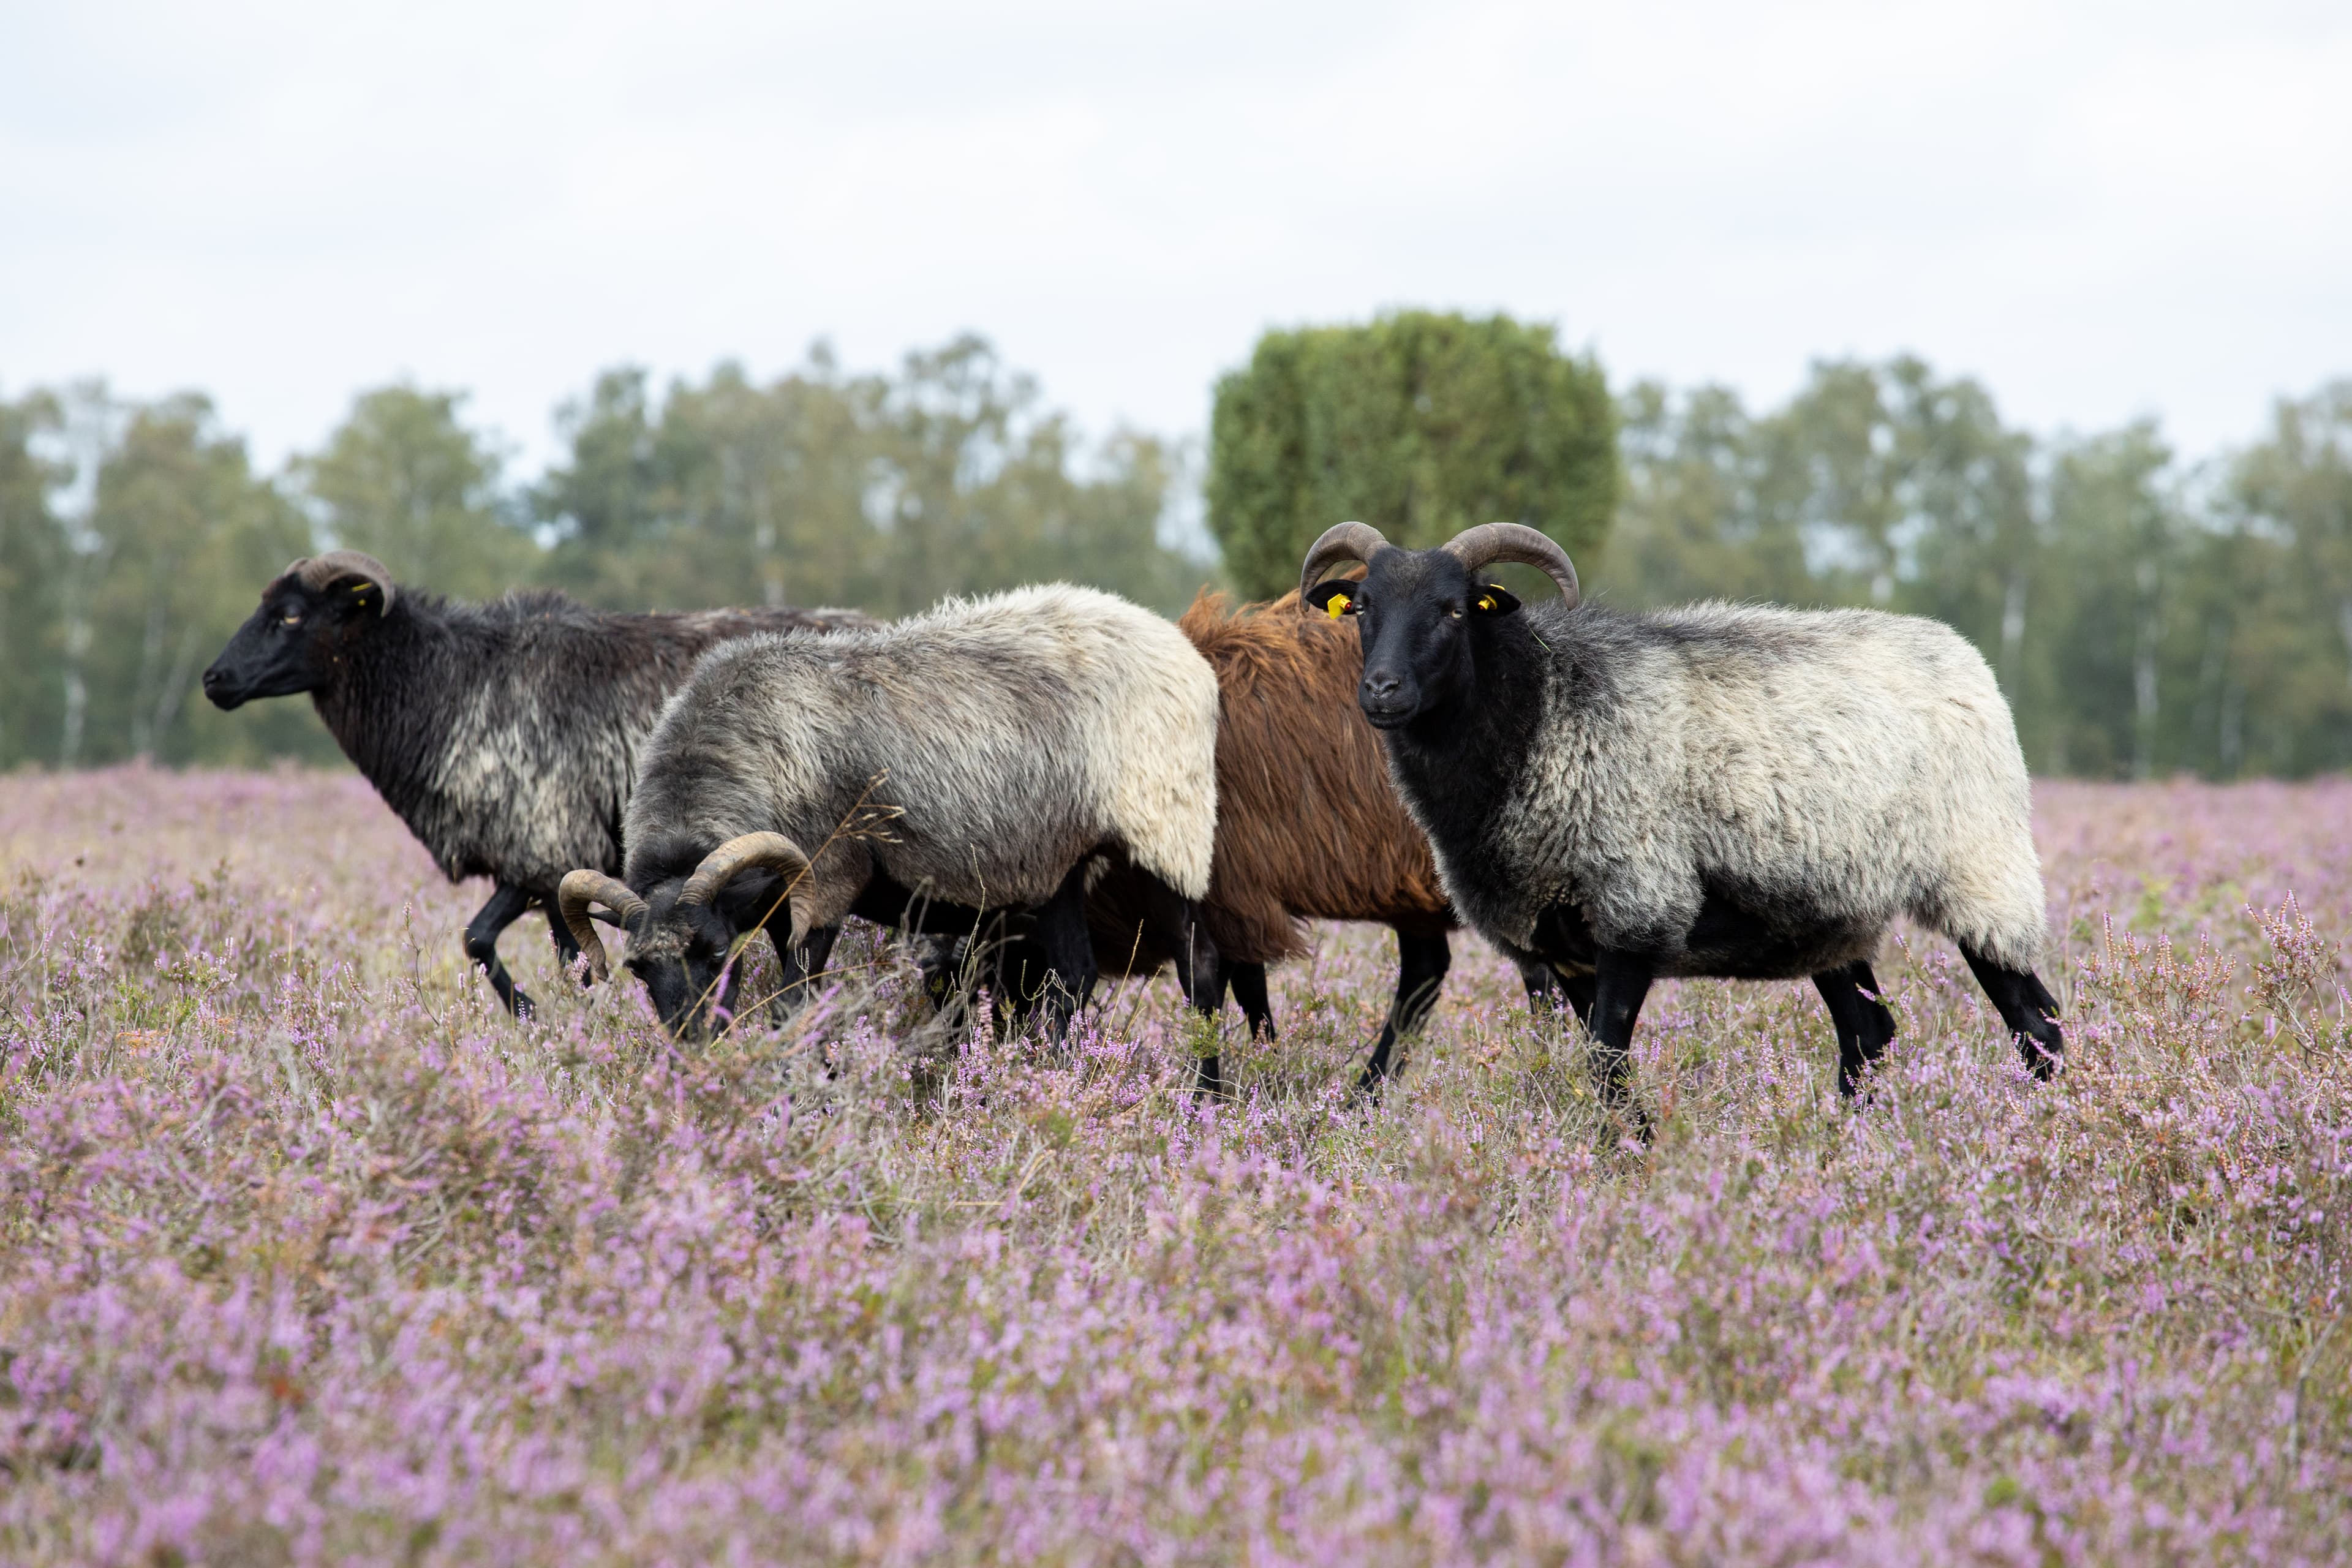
[[1309, 826], [1718, 790], [980, 761], [504, 734]]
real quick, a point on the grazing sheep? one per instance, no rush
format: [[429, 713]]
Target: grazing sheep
[[1715, 790], [503, 734], [1309, 826], [975, 762]]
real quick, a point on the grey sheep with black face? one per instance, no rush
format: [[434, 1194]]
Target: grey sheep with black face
[[960, 771], [504, 734], [1716, 790]]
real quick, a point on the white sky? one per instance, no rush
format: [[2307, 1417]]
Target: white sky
[[2101, 210]]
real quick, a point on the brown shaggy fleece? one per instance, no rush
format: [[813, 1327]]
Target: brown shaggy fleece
[[1307, 823]]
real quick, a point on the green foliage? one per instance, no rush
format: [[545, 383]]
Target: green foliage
[[32, 553], [1870, 476], [135, 538], [2290, 630], [405, 481], [822, 487], [2142, 618], [1419, 424], [1690, 526], [136, 588], [2110, 548]]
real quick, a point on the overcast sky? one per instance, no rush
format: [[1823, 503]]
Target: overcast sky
[[2103, 211]]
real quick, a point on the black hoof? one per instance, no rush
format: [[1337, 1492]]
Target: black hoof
[[1209, 1080]]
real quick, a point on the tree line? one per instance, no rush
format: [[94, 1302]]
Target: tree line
[[2144, 613], [135, 537]]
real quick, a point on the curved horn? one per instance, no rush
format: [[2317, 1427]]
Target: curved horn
[[576, 892], [321, 572], [1340, 541], [769, 851], [1492, 541]]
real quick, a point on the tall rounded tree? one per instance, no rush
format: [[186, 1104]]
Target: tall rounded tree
[[1419, 424]]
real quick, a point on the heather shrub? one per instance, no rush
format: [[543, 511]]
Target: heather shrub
[[306, 1254]]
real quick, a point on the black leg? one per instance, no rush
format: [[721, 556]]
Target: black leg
[[1203, 975], [1547, 988], [1249, 994], [506, 906], [1863, 1024], [567, 946], [997, 953], [793, 987], [1621, 983], [1209, 1078], [1007, 958], [941, 961], [1219, 974], [1173, 922], [1069, 950], [1050, 962], [1199, 973], [1422, 963], [2026, 1006], [1248, 983], [1578, 989]]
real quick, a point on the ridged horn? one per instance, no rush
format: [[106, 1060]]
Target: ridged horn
[[321, 572], [1340, 541], [1492, 541], [766, 851], [574, 895]]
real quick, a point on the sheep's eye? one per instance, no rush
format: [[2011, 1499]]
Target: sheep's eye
[[290, 618], [1455, 612]]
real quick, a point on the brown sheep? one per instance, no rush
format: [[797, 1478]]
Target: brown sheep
[[1307, 825]]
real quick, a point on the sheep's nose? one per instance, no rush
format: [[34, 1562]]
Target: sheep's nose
[[1380, 685]]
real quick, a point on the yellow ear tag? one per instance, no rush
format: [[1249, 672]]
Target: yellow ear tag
[[1336, 607], [1485, 603]]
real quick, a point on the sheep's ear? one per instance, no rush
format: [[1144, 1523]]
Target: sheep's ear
[[1493, 599], [1334, 598], [355, 597]]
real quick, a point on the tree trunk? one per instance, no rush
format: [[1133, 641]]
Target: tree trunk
[[76, 692], [2012, 635], [2232, 738], [151, 655], [176, 687], [2210, 676], [2144, 694]]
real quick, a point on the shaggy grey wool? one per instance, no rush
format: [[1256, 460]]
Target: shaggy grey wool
[[973, 753]]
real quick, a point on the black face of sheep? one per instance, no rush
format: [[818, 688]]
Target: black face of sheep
[[1422, 610], [308, 619], [686, 930]]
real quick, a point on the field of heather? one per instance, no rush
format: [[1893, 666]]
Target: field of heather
[[307, 1255]]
